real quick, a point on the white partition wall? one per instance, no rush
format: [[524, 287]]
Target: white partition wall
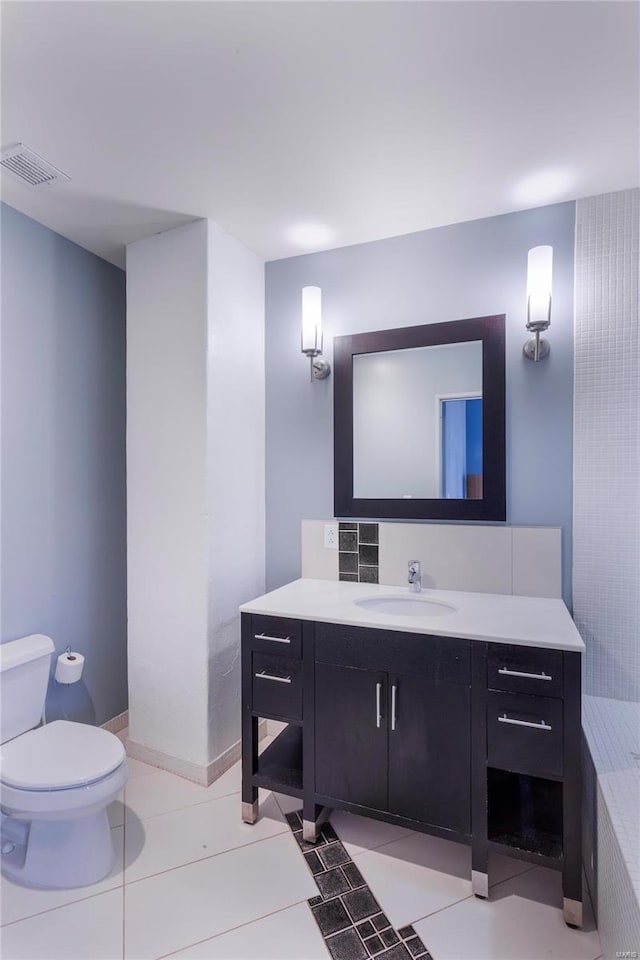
[[195, 452], [235, 468]]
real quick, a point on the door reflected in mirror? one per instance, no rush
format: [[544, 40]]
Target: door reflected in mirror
[[417, 423]]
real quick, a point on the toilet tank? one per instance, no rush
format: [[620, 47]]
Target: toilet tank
[[24, 677]]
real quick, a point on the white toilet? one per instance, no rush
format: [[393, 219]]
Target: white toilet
[[56, 781]]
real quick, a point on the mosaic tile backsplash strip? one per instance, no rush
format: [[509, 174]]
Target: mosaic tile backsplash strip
[[358, 552], [350, 919], [606, 508]]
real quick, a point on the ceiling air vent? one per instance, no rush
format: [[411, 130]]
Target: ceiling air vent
[[29, 168]]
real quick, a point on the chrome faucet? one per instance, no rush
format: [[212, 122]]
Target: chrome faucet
[[414, 576]]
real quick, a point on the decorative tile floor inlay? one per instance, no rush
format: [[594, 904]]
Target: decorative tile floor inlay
[[350, 919]]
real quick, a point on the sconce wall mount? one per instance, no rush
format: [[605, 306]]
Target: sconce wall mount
[[539, 275], [311, 344]]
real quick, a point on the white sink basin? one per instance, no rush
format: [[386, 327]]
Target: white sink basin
[[406, 606]]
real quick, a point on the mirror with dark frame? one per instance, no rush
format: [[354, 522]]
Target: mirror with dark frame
[[419, 422]]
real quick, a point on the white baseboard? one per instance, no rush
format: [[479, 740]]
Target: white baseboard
[[116, 724], [205, 775]]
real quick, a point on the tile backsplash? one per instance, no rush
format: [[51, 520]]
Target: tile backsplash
[[358, 552], [526, 561]]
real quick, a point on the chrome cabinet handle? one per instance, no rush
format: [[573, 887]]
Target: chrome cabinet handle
[[269, 676], [378, 710], [524, 723], [265, 636], [393, 706], [518, 673]]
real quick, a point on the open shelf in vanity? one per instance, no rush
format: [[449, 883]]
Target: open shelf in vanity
[[279, 766], [524, 816]]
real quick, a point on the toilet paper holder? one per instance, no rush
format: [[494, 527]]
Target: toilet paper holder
[[69, 667]]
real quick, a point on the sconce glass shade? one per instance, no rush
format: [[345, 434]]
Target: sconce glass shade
[[539, 275], [311, 321]]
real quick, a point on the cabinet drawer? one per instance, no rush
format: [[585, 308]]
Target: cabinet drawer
[[276, 684], [525, 734], [439, 659], [524, 669], [276, 635]]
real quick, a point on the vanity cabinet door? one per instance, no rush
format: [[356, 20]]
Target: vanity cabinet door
[[351, 735], [430, 752]]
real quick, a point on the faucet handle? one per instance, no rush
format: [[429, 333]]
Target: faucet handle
[[415, 576]]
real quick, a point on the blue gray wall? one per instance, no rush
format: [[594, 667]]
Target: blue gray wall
[[63, 459], [465, 270]]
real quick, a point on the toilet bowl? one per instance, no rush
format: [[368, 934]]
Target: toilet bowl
[[55, 785], [56, 781]]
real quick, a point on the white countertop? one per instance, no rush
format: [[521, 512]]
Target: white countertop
[[528, 621]]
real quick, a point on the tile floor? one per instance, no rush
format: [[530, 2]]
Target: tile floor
[[193, 882]]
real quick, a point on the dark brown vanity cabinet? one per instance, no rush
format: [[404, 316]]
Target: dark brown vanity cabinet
[[351, 735], [473, 741], [394, 743], [429, 753]]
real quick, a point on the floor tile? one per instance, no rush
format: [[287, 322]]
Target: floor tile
[[522, 920], [287, 935], [361, 833], [332, 855], [166, 912], [139, 769], [333, 883], [288, 804], [115, 812], [399, 952], [419, 874], [88, 930], [161, 792], [20, 902], [193, 833], [374, 944], [347, 946], [331, 917], [361, 904]]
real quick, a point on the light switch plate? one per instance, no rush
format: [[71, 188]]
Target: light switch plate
[[331, 536]]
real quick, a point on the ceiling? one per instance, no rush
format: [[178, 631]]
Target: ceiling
[[308, 125]]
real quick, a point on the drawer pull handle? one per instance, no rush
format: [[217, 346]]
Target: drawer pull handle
[[393, 706], [269, 676], [378, 710], [524, 723], [519, 673], [265, 636]]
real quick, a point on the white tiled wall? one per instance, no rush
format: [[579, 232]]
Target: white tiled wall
[[612, 731], [606, 511], [526, 561]]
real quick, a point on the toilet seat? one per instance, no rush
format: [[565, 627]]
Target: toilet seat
[[60, 756]]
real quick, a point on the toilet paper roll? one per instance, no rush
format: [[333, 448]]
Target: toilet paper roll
[[69, 667]]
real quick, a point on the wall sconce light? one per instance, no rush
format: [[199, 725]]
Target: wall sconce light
[[312, 331], [539, 272]]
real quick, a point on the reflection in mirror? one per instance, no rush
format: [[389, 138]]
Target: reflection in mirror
[[417, 423]]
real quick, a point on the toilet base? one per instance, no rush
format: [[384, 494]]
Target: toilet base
[[57, 854]]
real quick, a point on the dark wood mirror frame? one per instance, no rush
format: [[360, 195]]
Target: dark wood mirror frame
[[492, 506]]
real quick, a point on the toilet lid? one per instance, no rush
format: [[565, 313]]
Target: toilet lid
[[58, 755]]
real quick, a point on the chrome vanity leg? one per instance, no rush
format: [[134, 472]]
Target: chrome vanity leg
[[480, 883], [249, 812], [310, 830], [572, 912]]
